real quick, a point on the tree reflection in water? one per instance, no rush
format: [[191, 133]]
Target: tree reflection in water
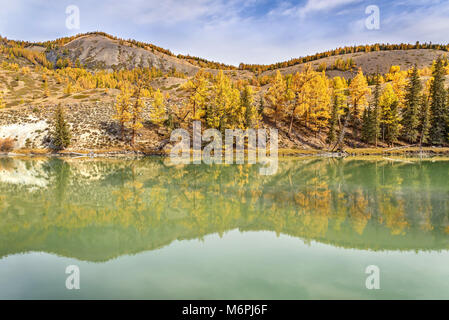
[[96, 210]]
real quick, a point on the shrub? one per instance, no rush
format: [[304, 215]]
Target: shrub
[[6, 145]]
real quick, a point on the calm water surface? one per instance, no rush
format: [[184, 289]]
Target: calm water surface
[[146, 229]]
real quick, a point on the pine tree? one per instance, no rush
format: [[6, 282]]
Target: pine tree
[[424, 116], [410, 115], [370, 125], [339, 104], [367, 125], [371, 117], [438, 108], [61, 131], [376, 112]]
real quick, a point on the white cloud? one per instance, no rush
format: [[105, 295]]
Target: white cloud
[[234, 31], [430, 23], [311, 6], [169, 12], [322, 5]]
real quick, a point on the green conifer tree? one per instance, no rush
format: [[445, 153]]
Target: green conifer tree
[[61, 131], [333, 122], [367, 125], [251, 110], [438, 107], [376, 112], [410, 117], [424, 117]]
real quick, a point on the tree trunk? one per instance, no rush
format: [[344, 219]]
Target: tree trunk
[[291, 125], [133, 136], [293, 114], [342, 132]]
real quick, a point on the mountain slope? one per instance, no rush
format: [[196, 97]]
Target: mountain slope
[[371, 62], [102, 51], [96, 51]]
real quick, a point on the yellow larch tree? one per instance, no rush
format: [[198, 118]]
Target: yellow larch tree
[[157, 113], [358, 92], [252, 116], [358, 100], [136, 114], [2, 101], [198, 89], [46, 90], [141, 89], [298, 94], [318, 102], [277, 96], [122, 106], [390, 121], [398, 81], [223, 110], [399, 84], [68, 88]]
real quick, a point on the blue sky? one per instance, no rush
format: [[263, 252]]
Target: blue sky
[[251, 31]]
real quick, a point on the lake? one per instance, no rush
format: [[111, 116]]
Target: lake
[[145, 229]]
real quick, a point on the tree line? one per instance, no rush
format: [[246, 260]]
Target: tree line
[[259, 68], [215, 100], [399, 107]]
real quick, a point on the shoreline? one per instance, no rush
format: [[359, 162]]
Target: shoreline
[[349, 152]]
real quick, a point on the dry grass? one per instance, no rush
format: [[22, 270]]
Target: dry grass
[[292, 152], [33, 151], [282, 152], [403, 151]]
